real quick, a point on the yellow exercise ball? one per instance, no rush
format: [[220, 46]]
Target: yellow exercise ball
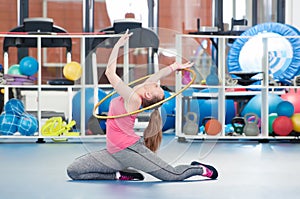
[[72, 71], [296, 122]]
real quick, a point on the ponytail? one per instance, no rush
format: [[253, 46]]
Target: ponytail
[[153, 132]]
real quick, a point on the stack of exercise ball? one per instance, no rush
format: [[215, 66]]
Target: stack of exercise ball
[[22, 73], [293, 96], [14, 120], [27, 66], [290, 108], [282, 124], [284, 112]]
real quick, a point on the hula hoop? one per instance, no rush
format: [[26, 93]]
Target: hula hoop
[[146, 108]]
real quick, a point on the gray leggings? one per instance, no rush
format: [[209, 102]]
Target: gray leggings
[[103, 165]]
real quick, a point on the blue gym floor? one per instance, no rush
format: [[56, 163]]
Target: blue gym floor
[[247, 170]]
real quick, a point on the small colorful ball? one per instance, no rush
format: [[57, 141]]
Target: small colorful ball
[[282, 126], [285, 108]]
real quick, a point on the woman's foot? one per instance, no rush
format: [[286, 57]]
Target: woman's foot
[[129, 174], [208, 170]]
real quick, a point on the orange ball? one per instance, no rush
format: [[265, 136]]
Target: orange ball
[[213, 127]]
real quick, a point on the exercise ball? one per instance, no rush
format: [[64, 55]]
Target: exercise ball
[[272, 117], [8, 124], [14, 70], [213, 127], [89, 106], [293, 97], [72, 71], [282, 126], [296, 122], [168, 112], [285, 108], [254, 104], [28, 66], [14, 106], [209, 108], [28, 125]]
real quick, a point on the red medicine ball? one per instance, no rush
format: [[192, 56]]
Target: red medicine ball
[[282, 126]]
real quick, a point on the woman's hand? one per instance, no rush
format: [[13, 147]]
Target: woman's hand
[[177, 66], [124, 38]]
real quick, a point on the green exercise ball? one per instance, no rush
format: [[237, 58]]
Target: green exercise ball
[[14, 70]]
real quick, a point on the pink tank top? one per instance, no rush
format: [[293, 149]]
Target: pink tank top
[[120, 131]]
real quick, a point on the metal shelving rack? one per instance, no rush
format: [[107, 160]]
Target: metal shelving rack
[[222, 93], [70, 88], [151, 41]]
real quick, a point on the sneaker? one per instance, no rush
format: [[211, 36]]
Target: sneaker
[[211, 172], [129, 174]]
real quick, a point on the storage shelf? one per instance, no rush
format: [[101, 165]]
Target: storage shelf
[[40, 89], [223, 92]]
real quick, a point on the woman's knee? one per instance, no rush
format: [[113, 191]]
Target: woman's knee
[[72, 171]]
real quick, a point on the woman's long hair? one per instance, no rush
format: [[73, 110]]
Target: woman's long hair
[[153, 132]]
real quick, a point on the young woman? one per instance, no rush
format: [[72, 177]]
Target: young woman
[[125, 149]]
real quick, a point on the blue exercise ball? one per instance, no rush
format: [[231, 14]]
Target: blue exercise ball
[[285, 108], [168, 112], [28, 66], [8, 124], [89, 106], [254, 104], [28, 125], [14, 106], [210, 108]]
